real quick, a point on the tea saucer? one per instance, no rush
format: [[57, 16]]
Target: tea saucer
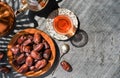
[[50, 19]]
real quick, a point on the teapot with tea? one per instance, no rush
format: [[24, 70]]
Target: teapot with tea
[[33, 5]]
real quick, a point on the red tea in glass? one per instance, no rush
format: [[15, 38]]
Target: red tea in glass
[[63, 25]]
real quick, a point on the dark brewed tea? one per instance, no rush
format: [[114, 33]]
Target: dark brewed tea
[[63, 25]]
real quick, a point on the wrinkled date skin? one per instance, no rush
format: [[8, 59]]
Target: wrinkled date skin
[[21, 39], [4, 69], [66, 66], [26, 42], [40, 64], [23, 68], [16, 64], [39, 47], [30, 37], [32, 68], [21, 59], [37, 38], [29, 61], [1, 56], [46, 45], [15, 50], [26, 49], [47, 54], [36, 55]]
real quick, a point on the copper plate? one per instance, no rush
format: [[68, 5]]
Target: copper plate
[[6, 20], [47, 38]]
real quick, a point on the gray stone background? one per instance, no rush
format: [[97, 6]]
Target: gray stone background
[[99, 58]]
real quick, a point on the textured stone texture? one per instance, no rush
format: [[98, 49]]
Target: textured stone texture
[[100, 57]]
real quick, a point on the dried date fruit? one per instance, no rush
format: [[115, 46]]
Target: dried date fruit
[[21, 39], [66, 66], [32, 68], [15, 50], [27, 54], [29, 61], [21, 48], [36, 55], [1, 55], [40, 64], [16, 64], [26, 49], [39, 47], [4, 69], [16, 55], [47, 54], [17, 45], [23, 68], [21, 59], [37, 38], [46, 45], [30, 37], [26, 42]]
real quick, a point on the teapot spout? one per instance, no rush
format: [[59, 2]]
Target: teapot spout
[[24, 8]]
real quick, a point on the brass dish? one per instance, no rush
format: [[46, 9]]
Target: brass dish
[[6, 18]]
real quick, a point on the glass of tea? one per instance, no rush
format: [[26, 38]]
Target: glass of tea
[[6, 18], [62, 24]]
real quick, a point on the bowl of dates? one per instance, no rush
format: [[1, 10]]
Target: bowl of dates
[[31, 52]]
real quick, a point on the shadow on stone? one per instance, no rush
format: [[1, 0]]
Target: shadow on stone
[[80, 38]]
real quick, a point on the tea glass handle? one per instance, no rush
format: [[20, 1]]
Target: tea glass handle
[[71, 32]]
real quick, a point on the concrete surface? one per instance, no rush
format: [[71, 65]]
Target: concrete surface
[[99, 58]]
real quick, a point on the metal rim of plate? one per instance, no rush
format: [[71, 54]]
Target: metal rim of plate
[[49, 23]]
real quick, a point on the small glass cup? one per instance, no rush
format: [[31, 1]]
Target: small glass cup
[[63, 25]]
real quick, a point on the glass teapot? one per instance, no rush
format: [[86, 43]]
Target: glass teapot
[[33, 5]]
